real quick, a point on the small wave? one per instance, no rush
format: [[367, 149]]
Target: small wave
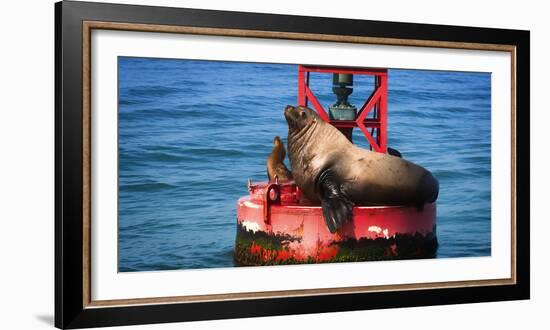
[[165, 157], [127, 101], [401, 96], [151, 91], [214, 152], [171, 149], [149, 187], [127, 269], [151, 226], [130, 237], [147, 157], [477, 159], [165, 113], [450, 174], [455, 109]]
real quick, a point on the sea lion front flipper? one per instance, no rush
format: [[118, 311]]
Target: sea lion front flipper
[[283, 172], [337, 208]]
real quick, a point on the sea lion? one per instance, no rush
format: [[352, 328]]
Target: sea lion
[[275, 162], [329, 169]]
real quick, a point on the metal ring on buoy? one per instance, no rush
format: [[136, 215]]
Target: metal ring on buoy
[[272, 196]]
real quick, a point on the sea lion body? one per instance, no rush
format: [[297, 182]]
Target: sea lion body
[[275, 162], [330, 169], [368, 178]]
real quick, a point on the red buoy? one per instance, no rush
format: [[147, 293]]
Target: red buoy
[[275, 225]]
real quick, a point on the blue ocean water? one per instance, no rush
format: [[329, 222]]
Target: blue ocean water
[[192, 132]]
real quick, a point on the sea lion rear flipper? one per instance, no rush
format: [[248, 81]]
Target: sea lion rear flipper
[[394, 152], [337, 208]]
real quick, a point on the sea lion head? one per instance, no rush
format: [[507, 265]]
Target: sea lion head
[[278, 149], [276, 168], [299, 117]]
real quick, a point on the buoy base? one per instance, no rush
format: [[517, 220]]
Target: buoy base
[[261, 249]]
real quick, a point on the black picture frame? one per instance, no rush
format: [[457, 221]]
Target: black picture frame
[[70, 306]]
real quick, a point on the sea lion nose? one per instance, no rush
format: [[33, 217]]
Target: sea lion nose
[[288, 112]]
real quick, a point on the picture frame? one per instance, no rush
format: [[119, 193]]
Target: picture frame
[[74, 24]]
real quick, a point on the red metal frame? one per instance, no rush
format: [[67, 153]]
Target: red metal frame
[[378, 101]]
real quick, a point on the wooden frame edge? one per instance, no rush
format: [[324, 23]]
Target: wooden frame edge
[[86, 163], [513, 127], [139, 27], [89, 25], [294, 293]]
